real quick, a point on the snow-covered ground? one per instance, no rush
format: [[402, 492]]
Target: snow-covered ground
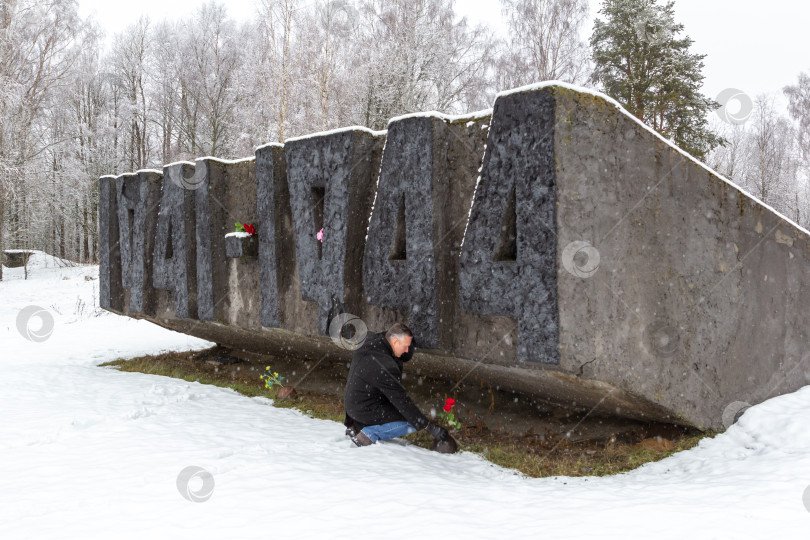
[[91, 452]]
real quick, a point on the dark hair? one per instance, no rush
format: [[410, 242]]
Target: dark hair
[[399, 331]]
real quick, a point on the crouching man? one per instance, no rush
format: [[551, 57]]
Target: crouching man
[[377, 406]]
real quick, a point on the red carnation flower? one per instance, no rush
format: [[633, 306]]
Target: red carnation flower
[[448, 404], [249, 228]]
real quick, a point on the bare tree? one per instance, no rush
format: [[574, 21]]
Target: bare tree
[[89, 144], [544, 42], [799, 108], [213, 58], [774, 165], [731, 160], [414, 55], [165, 82], [37, 50], [762, 156], [279, 22], [325, 55], [130, 62]]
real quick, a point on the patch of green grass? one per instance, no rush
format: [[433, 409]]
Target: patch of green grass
[[575, 460], [532, 456]]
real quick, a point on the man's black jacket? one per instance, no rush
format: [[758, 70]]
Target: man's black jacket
[[374, 393]]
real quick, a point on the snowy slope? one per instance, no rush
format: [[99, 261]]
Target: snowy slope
[[90, 452]]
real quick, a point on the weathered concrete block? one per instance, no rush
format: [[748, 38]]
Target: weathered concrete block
[[138, 198], [243, 305], [331, 182], [280, 288], [110, 290], [508, 257], [673, 283], [421, 205], [225, 193], [212, 224], [241, 246], [175, 250]]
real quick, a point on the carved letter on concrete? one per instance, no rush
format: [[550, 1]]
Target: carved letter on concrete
[[175, 251], [138, 200], [111, 293], [423, 196], [331, 179], [272, 193], [508, 258]]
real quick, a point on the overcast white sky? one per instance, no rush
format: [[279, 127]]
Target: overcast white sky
[[753, 46]]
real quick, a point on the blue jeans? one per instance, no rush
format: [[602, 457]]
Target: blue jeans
[[383, 432]]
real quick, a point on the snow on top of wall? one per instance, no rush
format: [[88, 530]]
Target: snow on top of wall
[[446, 117], [584, 90], [114, 176], [472, 202], [376, 190], [238, 234], [338, 130], [226, 161], [140, 171], [136, 172], [172, 164], [183, 162], [278, 144]]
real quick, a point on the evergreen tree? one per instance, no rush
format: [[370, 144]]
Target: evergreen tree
[[642, 62]]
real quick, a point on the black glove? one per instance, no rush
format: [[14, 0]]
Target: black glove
[[437, 432], [447, 446]]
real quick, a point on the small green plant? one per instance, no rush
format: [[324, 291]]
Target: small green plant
[[447, 414], [272, 378]]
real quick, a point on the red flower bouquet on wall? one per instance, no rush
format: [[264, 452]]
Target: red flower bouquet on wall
[[245, 227]]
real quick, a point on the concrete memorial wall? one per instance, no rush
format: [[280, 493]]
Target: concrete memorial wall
[[554, 245]]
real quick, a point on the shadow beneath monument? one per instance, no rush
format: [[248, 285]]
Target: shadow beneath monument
[[484, 409]]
